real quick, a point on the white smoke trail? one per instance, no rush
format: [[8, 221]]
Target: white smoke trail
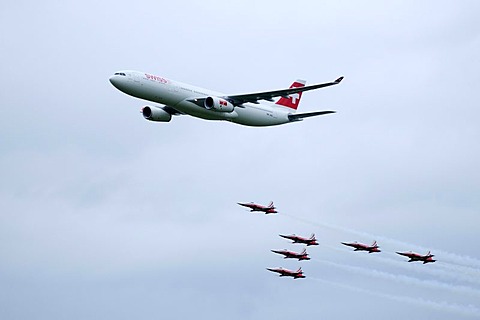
[[454, 260], [436, 272], [408, 280], [444, 269], [439, 306], [452, 270], [459, 268]]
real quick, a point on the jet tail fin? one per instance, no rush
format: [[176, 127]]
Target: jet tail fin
[[270, 205], [292, 101]]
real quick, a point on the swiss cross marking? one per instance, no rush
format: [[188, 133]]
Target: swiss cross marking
[[294, 97]]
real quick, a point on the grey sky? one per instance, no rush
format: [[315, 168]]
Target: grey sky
[[105, 215]]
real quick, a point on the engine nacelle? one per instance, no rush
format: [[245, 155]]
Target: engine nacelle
[[156, 114], [218, 104]]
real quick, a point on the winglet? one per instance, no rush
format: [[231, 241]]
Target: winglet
[[339, 80]]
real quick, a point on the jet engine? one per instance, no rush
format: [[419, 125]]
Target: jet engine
[[218, 104], [156, 114]]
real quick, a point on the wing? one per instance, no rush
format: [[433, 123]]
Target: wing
[[269, 95], [239, 99]]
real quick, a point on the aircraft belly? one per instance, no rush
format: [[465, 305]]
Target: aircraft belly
[[249, 114], [259, 117]]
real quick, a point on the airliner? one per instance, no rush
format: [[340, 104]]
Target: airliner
[[258, 109]]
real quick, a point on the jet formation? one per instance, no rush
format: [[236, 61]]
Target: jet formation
[[312, 241]]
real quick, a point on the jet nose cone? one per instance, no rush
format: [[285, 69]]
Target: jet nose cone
[[113, 80]]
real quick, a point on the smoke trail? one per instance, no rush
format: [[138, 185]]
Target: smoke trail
[[459, 268], [456, 260], [433, 284], [452, 270], [439, 306], [444, 274]]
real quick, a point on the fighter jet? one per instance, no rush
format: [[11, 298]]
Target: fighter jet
[[363, 247], [418, 257], [297, 239], [270, 208], [293, 255], [288, 273]]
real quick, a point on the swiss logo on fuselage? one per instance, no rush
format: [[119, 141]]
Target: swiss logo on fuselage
[[156, 78]]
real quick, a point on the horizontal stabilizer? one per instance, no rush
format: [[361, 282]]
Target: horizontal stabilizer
[[300, 116]]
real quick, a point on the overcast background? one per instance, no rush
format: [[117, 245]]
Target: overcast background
[[104, 215]]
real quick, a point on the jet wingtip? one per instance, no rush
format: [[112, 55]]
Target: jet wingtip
[[339, 79]]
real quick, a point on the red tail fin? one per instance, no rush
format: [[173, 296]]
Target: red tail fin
[[292, 101]]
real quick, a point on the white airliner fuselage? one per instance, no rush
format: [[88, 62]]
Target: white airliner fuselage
[[181, 98]]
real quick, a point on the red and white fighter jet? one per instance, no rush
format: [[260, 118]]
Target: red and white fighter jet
[[270, 208], [293, 255], [288, 273], [297, 239], [363, 247], [418, 257]]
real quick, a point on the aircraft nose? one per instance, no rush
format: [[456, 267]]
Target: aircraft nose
[[113, 80], [118, 78]]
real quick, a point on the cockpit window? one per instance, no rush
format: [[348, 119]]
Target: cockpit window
[[119, 74]]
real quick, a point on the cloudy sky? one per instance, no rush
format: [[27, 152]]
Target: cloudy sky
[[105, 215]]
